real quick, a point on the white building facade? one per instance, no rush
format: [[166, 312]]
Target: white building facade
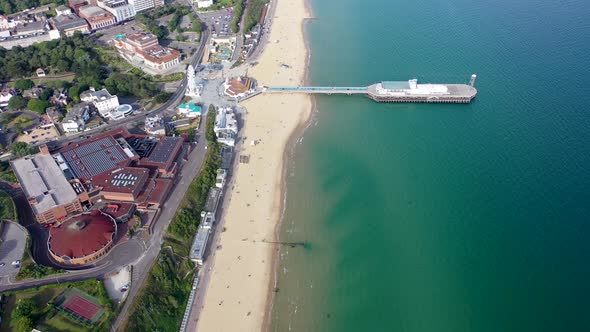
[[121, 9], [102, 100]]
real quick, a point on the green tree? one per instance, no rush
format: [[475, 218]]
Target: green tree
[[17, 103], [24, 308], [21, 149], [24, 324], [75, 91], [23, 84], [38, 105], [162, 97], [46, 94]]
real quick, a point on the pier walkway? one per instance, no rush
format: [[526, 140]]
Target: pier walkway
[[328, 90]]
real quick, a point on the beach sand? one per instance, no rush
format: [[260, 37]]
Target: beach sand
[[240, 286]]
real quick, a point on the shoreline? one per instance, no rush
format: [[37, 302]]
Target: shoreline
[[288, 156], [239, 286]]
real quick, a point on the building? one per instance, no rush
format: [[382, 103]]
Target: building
[[68, 24], [160, 156], [75, 5], [121, 212], [102, 100], [83, 238], [121, 9], [122, 184], [225, 120], [93, 157], [63, 10], [49, 193], [40, 72], [76, 118], [141, 5], [5, 96], [239, 87], [197, 253], [203, 3], [226, 126], [155, 125], [97, 17], [143, 48], [220, 178], [189, 110]]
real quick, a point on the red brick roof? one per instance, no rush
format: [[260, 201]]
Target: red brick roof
[[130, 180], [82, 235]]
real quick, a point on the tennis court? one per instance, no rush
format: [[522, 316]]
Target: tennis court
[[81, 305]]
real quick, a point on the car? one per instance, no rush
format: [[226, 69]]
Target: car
[[16, 262], [2, 264]]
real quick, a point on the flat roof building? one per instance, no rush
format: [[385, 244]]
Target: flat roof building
[[102, 100], [121, 9], [145, 47], [68, 24], [92, 157], [48, 191], [97, 17], [122, 184], [199, 246]]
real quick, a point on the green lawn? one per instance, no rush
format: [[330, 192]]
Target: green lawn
[[60, 322], [41, 297], [51, 320]]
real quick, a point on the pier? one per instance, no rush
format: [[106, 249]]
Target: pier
[[394, 91]]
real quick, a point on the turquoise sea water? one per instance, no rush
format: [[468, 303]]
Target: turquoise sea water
[[443, 217]]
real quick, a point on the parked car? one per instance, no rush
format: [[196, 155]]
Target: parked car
[[16, 262], [2, 264]]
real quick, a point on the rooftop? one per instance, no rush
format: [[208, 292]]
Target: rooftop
[[166, 148], [99, 95], [122, 180], [76, 112], [65, 22], [212, 200], [42, 179], [199, 244], [192, 107], [94, 13], [82, 235], [396, 85], [95, 156]]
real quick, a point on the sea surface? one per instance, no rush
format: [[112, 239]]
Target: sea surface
[[425, 217]]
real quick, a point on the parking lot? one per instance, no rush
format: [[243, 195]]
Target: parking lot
[[219, 20], [12, 248], [126, 28]]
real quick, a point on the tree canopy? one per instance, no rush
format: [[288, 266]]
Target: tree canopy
[[21, 149], [17, 103], [38, 105], [23, 84]]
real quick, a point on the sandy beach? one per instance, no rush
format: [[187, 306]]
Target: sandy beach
[[240, 286]]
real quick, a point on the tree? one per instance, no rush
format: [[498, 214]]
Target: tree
[[23, 84], [46, 94], [38, 105], [162, 97], [24, 324], [17, 103], [21, 149], [75, 91], [24, 307]]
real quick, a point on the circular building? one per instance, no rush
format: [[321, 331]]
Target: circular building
[[82, 238]]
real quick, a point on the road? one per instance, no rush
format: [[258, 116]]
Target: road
[[189, 171]]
